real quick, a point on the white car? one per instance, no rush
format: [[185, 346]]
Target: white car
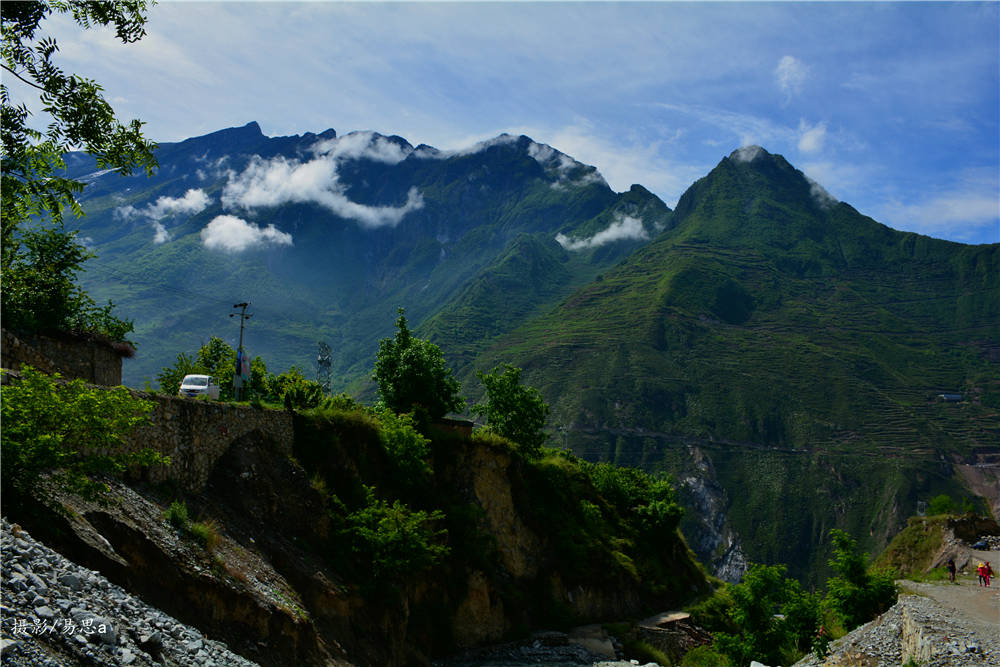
[[193, 386]]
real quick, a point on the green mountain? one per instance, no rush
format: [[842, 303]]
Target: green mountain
[[787, 347], [327, 236], [777, 351]]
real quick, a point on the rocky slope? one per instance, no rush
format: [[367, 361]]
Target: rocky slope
[[924, 629], [57, 613], [270, 572]]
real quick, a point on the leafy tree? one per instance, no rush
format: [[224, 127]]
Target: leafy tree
[[218, 358], [648, 500], [69, 429], [943, 504], [393, 541], [856, 594], [513, 410], [39, 265], [170, 377], [773, 616], [411, 374]]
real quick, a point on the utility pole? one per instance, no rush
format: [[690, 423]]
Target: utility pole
[[238, 377], [323, 362]]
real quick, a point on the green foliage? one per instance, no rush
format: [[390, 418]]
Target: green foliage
[[715, 612], [393, 541], [39, 265], [943, 504], [303, 396], [513, 410], [217, 358], [40, 291], [170, 378], [177, 514], [205, 533], [703, 656], [408, 451], [856, 594], [411, 374], [911, 552], [69, 429], [647, 498], [773, 617]]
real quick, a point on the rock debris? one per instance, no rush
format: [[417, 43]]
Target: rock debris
[[58, 614]]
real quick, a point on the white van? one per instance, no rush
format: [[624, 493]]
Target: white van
[[199, 385]]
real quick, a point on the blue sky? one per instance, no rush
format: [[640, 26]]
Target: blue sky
[[892, 107]]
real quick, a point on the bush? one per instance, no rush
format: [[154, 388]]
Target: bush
[[703, 656], [646, 499], [773, 617], [856, 595], [177, 515], [408, 451], [394, 542], [68, 429], [205, 533]]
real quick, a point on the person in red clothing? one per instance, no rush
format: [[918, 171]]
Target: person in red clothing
[[987, 573], [980, 570]]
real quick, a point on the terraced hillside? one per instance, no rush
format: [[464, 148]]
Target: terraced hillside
[[799, 345]]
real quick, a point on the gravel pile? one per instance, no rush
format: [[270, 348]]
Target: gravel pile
[[916, 627], [58, 614]]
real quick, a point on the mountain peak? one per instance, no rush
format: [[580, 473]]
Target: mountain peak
[[748, 153]]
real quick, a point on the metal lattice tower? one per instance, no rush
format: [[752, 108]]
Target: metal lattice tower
[[323, 363]]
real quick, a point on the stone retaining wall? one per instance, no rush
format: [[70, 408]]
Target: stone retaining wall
[[93, 361], [196, 433]]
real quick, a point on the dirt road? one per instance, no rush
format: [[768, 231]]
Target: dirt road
[[976, 603]]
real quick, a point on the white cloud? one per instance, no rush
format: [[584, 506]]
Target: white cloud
[[358, 145], [564, 168], [811, 138], [162, 235], [819, 193], [791, 74], [268, 183], [747, 153], [232, 234], [623, 228], [624, 160], [194, 201], [964, 211]]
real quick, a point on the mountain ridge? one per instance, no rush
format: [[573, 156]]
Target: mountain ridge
[[759, 311]]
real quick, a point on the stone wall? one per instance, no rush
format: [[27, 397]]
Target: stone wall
[[195, 433], [93, 361]]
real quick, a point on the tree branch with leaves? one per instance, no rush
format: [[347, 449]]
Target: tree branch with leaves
[[78, 118]]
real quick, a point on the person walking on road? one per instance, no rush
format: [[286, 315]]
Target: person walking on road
[[951, 569], [987, 573], [980, 571]]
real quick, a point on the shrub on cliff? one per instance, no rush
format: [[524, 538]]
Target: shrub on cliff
[[68, 429], [647, 499], [394, 542]]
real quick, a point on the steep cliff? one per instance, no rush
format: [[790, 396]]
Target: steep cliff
[[273, 561]]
